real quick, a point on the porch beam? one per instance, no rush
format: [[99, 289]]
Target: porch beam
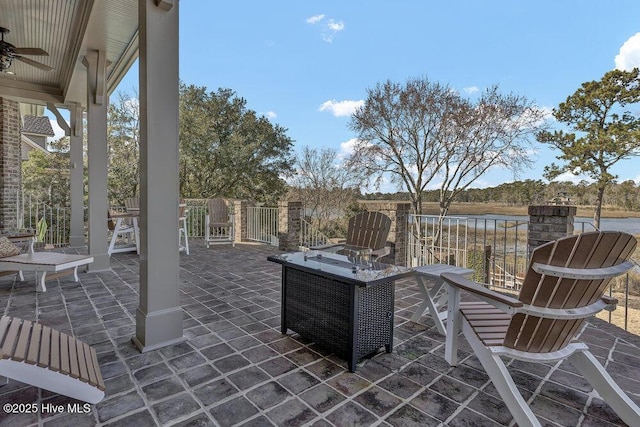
[[30, 92], [159, 316]]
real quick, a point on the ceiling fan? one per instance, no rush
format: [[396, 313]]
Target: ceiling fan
[[9, 52]]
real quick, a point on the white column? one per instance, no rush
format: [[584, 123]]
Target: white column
[[76, 237], [97, 156], [159, 316]]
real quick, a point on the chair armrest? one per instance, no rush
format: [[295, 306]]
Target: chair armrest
[[478, 289], [379, 253], [611, 302], [328, 247], [583, 273]]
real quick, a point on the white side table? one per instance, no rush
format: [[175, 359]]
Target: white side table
[[436, 297]]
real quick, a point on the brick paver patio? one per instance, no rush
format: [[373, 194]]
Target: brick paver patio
[[236, 368]]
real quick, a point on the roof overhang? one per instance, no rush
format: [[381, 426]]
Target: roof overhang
[[67, 30]]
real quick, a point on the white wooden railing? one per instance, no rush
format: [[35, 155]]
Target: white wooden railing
[[310, 235]]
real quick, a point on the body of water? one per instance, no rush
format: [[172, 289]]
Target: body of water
[[629, 225]]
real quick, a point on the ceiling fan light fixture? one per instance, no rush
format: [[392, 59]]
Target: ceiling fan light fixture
[[5, 63]]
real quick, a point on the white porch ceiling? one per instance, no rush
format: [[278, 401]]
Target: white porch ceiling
[[67, 29]]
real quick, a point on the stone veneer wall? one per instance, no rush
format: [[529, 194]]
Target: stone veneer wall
[[240, 219], [289, 225], [10, 163], [399, 214], [548, 223]]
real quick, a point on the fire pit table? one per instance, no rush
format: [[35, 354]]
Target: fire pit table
[[344, 304]]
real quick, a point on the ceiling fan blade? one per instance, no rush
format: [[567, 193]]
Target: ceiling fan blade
[[36, 51], [34, 63]]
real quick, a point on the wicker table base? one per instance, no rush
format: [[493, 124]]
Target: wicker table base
[[351, 321]]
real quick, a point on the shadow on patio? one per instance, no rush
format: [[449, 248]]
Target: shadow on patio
[[238, 369]]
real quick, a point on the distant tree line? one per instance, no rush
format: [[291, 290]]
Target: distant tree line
[[624, 195]]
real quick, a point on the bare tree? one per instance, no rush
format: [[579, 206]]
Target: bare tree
[[424, 134], [324, 184]]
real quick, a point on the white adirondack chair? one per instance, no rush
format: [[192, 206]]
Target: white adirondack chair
[[565, 284]]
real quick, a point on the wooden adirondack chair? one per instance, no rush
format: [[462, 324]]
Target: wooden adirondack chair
[[218, 223], [564, 285], [366, 231]]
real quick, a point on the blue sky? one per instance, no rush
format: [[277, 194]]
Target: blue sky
[[306, 64]]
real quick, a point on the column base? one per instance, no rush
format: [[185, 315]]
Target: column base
[[77, 242], [101, 262], [158, 329]]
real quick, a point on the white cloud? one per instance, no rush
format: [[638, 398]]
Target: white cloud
[[270, 115], [315, 19], [341, 108], [329, 27], [347, 147], [335, 26], [636, 180], [471, 89], [629, 56], [575, 179]]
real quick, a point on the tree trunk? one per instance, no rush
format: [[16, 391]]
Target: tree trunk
[[444, 208], [598, 209]]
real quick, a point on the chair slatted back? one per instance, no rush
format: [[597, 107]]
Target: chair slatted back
[[132, 203], [368, 230], [218, 212], [584, 251]]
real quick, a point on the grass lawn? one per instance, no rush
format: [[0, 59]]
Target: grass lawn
[[617, 316]]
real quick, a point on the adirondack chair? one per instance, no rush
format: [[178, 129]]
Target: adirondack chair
[[218, 223], [124, 229], [366, 231], [564, 285]]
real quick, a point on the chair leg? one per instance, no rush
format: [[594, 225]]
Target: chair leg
[[186, 238], [454, 320], [501, 379], [600, 379]]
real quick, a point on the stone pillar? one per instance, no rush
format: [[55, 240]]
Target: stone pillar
[[10, 163], [240, 219], [399, 214], [400, 229], [548, 223], [289, 225]]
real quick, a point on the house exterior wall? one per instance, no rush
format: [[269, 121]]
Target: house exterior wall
[[10, 163]]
